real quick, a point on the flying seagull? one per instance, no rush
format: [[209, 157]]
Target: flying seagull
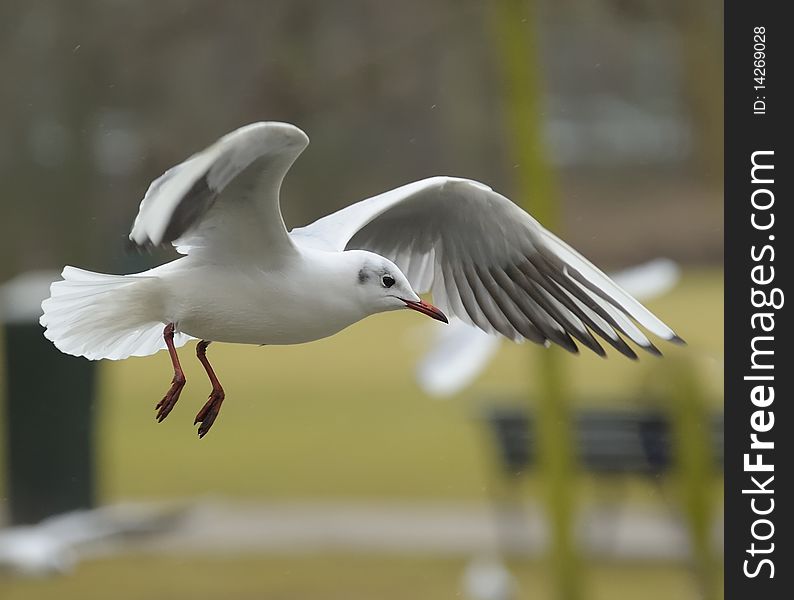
[[55, 545], [246, 279]]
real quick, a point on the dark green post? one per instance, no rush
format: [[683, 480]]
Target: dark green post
[[49, 410]]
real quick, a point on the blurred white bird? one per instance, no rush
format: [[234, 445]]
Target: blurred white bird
[[461, 352], [245, 279], [54, 546], [488, 579]]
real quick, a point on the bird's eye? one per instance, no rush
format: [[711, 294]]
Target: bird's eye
[[387, 281]]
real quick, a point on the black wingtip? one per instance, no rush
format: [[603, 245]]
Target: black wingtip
[[564, 341], [626, 351], [131, 245], [621, 346], [590, 342], [678, 340], [593, 345], [651, 349]]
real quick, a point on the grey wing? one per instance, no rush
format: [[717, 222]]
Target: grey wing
[[226, 197], [489, 263]]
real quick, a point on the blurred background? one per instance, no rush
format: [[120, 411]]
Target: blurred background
[[334, 472]]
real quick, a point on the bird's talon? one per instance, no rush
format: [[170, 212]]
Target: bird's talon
[[168, 402], [209, 412]]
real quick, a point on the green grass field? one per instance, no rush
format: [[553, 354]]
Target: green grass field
[[342, 418], [330, 578]]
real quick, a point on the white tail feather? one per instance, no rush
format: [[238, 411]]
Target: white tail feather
[[104, 316]]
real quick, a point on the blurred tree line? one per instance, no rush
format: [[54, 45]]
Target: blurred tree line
[[101, 96]]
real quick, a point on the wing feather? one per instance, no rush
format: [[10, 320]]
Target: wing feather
[[512, 304], [226, 197], [491, 265]]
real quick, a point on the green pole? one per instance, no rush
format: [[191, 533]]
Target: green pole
[[693, 467], [516, 52]]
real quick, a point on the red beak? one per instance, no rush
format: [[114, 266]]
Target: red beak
[[426, 309]]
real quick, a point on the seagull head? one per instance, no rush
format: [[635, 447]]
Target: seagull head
[[381, 287]]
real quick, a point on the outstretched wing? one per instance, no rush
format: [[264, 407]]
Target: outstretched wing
[[225, 199], [491, 264]]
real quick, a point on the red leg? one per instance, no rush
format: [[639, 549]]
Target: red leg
[[209, 412], [177, 383]]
